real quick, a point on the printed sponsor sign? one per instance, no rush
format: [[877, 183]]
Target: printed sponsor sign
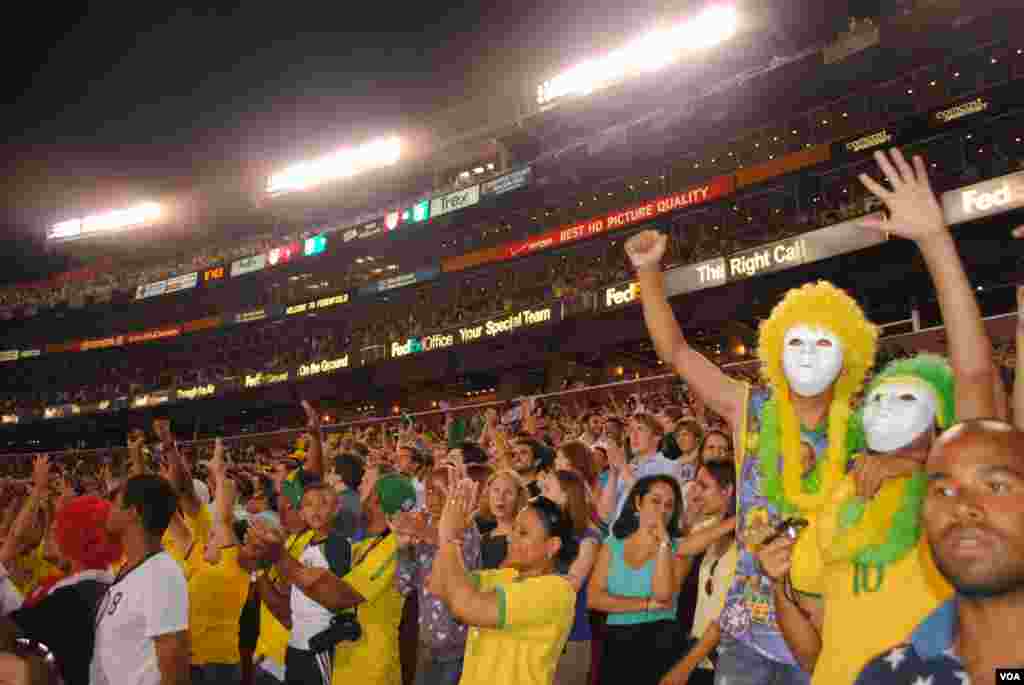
[[168, 286], [154, 334], [451, 202], [283, 254], [324, 366], [248, 264], [322, 303], [28, 354], [350, 235], [214, 274], [8, 355], [261, 379], [712, 190], [964, 109], [478, 331], [201, 324], [507, 183], [984, 199], [314, 246], [102, 343], [251, 315], [371, 229], [197, 392]]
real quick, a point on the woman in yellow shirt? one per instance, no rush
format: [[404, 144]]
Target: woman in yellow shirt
[[519, 615]]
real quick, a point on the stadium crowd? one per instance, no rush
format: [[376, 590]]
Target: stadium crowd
[[729, 533]]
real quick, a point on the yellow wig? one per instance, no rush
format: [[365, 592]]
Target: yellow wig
[[825, 306]]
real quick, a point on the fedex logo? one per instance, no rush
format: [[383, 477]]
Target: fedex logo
[[975, 201]]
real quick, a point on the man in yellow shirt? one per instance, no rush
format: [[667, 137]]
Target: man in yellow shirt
[[368, 587]]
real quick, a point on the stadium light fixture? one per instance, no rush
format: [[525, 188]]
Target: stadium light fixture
[[106, 222], [342, 164], [650, 52]]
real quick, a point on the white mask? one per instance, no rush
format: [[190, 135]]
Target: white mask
[[812, 359], [896, 413]]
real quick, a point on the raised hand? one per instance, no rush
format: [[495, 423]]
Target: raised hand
[[458, 508], [218, 465], [41, 474], [646, 249], [914, 211], [312, 416]]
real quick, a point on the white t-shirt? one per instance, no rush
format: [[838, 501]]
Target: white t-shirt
[[150, 601], [720, 571], [308, 617]]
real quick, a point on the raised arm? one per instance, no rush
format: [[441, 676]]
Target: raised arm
[[723, 394], [27, 518], [223, 534], [181, 478], [915, 214], [136, 439], [314, 464]]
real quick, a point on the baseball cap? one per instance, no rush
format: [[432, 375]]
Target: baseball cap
[[396, 494]]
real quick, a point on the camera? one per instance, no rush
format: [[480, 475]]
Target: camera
[[790, 528], [344, 628]]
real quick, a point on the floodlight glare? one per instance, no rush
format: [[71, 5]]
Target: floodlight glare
[[647, 53], [342, 164], [107, 222]]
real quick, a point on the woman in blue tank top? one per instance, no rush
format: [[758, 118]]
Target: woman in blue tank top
[[635, 580]]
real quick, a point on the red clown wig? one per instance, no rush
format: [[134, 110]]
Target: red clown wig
[[80, 530]]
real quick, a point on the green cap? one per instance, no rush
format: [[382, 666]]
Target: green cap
[[396, 494]]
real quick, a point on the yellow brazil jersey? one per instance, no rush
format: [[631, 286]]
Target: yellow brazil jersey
[[30, 569], [216, 595], [535, 617], [373, 659], [867, 609], [273, 640]]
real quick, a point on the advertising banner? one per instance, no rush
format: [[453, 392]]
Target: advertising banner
[[314, 246], [984, 199], [400, 281], [284, 254], [962, 110], [508, 182], [350, 235], [201, 324], [451, 202], [195, 393], [8, 355], [102, 343], [314, 305], [168, 286], [371, 229], [251, 315], [247, 265], [29, 354], [712, 190], [214, 274], [260, 380], [69, 346], [787, 164], [323, 366], [486, 329], [153, 334]]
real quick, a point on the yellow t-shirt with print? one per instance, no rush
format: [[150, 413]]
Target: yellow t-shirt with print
[[30, 569], [273, 640], [866, 611], [199, 526], [216, 595], [373, 659], [535, 617]]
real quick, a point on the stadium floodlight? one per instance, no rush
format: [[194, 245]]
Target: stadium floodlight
[[649, 52], [115, 220], [342, 164]]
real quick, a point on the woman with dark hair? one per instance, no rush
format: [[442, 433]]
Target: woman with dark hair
[[711, 502], [567, 490], [716, 445], [519, 615], [635, 581]]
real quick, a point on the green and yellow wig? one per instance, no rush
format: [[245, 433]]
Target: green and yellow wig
[[825, 306]]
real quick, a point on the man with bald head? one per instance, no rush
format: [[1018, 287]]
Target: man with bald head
[[973, 517]]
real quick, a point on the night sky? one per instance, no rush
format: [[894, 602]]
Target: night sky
[[134, 99]]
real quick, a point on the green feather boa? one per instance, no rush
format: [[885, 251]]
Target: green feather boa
[[905, 528], [768, 451]]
